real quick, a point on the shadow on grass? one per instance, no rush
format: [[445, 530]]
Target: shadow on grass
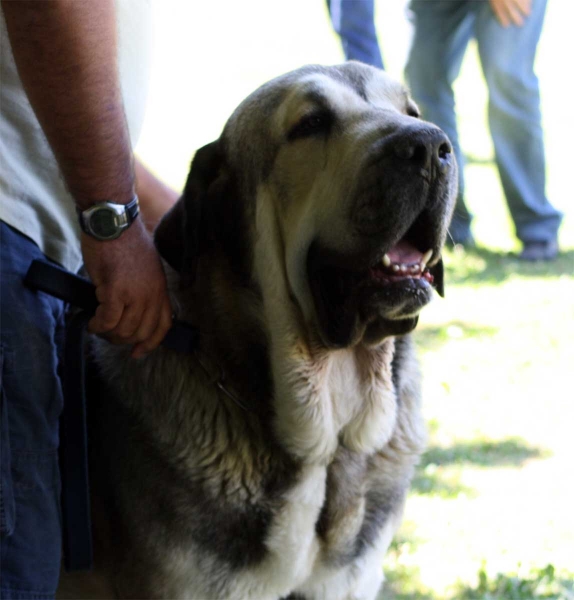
[[510, 452], [439, 485], [432, 480], [482, 265]]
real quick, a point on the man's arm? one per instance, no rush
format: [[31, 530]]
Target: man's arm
[[156, 198], [66, 54]]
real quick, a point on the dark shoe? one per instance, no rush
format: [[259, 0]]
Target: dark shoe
[[534, 251]]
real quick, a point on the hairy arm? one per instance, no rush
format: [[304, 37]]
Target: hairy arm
[[156, 198], [66, 54]]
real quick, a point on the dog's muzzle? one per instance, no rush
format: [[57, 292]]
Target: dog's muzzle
[[398, 216]]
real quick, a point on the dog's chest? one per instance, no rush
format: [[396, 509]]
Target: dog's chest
[[344, 387]]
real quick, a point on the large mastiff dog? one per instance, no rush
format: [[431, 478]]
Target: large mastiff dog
[[274, 462]]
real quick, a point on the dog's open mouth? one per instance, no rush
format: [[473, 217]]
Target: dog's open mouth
[[382, 298], [403, 261]]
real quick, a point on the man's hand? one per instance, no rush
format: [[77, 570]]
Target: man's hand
[[131, 289], [511, 12]]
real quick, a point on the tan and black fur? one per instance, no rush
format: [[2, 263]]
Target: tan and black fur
[[291, 481]]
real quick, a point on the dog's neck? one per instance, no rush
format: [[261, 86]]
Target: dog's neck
[[232, 343], [316, 397], [324, 397]]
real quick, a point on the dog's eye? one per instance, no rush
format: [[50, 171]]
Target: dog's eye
[[310, 125]]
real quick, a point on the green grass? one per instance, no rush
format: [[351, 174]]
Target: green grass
[[537, 584], [441, 467], [484, 266], [490, 514]]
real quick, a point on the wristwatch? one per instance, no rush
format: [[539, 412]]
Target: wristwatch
[[108, 220]]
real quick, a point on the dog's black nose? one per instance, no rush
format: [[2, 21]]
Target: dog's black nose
[[423, 148]]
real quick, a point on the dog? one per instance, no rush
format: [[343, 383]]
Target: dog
[[274, 462]]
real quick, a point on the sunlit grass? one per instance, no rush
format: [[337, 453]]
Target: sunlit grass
[[537, 583], [523, 584]]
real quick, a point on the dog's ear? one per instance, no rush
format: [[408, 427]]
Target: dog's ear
[[438, 275], [178, 237]]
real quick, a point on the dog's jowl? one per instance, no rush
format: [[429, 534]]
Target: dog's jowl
[[274, 462]]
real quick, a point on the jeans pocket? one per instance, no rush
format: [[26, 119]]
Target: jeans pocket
[[7, 507]]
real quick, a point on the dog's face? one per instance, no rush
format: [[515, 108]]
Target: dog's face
[[327, 180]]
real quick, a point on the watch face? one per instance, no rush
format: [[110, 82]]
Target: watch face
[[103, 223]]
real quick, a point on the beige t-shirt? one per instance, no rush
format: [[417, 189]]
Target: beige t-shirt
[[33, 197]]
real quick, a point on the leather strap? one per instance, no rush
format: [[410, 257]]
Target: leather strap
[[133, 208], [73, 451], [81, 293]]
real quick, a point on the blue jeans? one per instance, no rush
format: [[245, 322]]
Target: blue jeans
[[354, 21], [443, 29], [32, 328]]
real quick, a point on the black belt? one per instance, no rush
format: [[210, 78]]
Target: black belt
[[77, 291]]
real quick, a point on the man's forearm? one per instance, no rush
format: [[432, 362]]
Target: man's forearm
[[66, 53], [156, 198]]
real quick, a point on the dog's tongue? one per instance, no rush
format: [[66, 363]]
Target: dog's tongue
[[404, 253]]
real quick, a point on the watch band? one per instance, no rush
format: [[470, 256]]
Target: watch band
[[133, 208]]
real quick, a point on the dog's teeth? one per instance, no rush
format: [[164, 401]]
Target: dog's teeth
[[403, 268], [415, 268], [395, 268], [386, 261], [425, 259]]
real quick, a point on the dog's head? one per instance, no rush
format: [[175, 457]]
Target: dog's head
[[327, 189]]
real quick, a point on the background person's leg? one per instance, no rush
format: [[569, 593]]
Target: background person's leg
[[354, 21], [442, 30], [31, 402], [507, 57]]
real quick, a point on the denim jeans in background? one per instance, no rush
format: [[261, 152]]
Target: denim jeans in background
[[443, 29], [354, 21], [32, 326]]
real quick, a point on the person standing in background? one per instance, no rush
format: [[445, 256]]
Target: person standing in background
[[354, 21], [66, 80], [507, 33]]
